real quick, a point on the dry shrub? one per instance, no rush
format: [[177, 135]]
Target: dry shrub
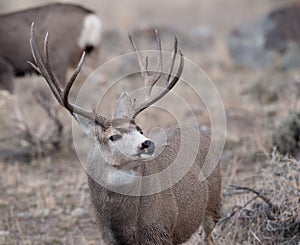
[[264, 93], [287, 136], [23, 141], [269, 211]]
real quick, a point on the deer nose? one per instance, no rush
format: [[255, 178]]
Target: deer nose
[[149, 145], [146, 144]]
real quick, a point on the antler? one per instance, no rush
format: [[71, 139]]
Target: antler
[[43, 67], [150, 81]]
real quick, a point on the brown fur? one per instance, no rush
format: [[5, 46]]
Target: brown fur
[[62, 21], [168, 217]]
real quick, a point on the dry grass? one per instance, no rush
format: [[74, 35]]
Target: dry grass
[[267, 211], [45, 204]]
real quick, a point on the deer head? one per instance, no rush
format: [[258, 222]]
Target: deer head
[[120, 139]]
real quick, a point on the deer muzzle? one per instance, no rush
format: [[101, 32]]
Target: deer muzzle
[[146, 149]]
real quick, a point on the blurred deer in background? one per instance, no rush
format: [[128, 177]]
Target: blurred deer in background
[[123, 152], [75, 29]]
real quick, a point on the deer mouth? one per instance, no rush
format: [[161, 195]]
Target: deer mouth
[[146, 149], [145, 154]]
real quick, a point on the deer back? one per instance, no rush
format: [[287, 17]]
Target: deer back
[[64, 21]]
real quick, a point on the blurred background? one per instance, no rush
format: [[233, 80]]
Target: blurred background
[[251, 52], [220, 15]]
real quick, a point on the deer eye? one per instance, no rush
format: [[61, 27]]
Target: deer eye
[[115, 137]]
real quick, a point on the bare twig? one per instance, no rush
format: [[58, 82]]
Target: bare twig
[[258, 194], [230, 215]]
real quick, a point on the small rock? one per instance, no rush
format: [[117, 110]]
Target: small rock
[[77, 212], [42, 212], [4, 233], [24, 215]]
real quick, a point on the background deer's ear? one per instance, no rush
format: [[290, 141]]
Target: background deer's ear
[[86, 125], [123, 107]]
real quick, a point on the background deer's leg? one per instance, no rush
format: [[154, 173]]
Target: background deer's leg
[[6, 75]]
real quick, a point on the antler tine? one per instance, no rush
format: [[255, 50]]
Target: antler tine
[[173, 58], [143, 63], [169, 85], [48, 65], [66, 91], [154, 78], [40, 66], [178, 74], [43, 66]]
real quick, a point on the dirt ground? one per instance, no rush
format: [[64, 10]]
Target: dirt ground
[[46, 200]]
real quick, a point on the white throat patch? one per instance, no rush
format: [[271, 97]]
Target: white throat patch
[[120, 177]]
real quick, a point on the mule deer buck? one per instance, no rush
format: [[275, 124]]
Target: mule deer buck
[[77, 28], [123, 153]]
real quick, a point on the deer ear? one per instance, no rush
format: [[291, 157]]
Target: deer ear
[[123, 107], [86, 124]]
